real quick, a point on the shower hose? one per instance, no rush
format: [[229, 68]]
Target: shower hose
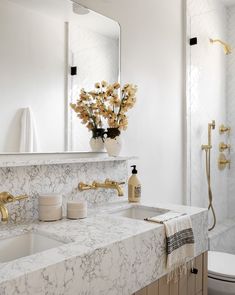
[[208, 176]]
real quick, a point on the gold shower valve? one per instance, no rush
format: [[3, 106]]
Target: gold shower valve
[[224, 129], [224, 146], [223, 162]]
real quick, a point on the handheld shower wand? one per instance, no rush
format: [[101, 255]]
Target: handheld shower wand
[[211, 126], [207, 148]]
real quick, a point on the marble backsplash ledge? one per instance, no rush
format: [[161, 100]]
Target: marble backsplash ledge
[[62, 178]]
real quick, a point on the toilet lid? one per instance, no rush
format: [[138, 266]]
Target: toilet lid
[[221, 265]]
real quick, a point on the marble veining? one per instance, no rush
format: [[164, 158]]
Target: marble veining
[[59, 178], [103, 254]]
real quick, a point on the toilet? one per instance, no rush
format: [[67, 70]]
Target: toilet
[[221, 273]]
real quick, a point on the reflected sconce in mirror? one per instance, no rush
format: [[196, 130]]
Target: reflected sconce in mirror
[[193, 41], [73, 71]]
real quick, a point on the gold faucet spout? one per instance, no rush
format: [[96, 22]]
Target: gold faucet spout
[[6, 198], [4, 213], [109, 184]]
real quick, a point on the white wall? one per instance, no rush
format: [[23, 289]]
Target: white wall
[[151, 49], [31, 74]]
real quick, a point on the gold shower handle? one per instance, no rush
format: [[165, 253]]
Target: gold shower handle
[[224, 146], [223, 162], [224, 129]]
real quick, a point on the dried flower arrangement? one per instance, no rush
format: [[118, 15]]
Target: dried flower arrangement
[[87, 110], [105, 102]]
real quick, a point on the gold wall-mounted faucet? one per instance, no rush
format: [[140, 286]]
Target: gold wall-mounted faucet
[[224, 129], [6, 198], [224, 146], [109, 184]]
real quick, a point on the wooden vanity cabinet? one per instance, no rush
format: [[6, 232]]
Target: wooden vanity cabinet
[[189, 284]]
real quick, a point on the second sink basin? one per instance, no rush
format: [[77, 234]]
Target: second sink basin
[[25, 245], [139, 212]]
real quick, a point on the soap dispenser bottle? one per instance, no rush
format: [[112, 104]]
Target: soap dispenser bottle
[[134, 186]]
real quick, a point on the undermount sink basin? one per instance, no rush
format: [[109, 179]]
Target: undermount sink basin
[[25, 245], [140, 212]]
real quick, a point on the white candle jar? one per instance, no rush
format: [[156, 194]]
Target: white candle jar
[[76, 209], [50, 207]]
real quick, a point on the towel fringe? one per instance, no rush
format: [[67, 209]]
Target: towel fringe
[[179, 270]]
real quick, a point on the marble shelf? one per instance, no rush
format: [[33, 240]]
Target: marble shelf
[[16, 160]]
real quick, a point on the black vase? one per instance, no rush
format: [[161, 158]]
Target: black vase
[[98, 132], [112, 132]]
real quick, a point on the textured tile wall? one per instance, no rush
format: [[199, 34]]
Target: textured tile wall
[[207, 100], [231, 110]]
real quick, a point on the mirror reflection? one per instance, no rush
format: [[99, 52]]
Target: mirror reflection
[[50, 51]]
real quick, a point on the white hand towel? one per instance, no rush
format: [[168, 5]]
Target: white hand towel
[[28, 136], [179, 241]]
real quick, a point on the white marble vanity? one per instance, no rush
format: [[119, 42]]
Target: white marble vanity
[[103, 254]]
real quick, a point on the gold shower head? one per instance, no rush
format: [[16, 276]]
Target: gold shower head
[[227, 48]]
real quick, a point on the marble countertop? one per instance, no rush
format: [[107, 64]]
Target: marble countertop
[[102, 254]]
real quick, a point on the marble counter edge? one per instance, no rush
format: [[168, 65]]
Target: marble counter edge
[[142, 229], [58, 161]]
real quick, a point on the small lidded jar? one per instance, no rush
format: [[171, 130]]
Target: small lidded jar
[[76, 209], [50, 207]]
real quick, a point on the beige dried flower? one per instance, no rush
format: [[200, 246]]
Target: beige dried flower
[[104, 84], [105, 102]]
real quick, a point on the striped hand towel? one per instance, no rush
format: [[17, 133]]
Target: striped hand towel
[[179, 241]]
